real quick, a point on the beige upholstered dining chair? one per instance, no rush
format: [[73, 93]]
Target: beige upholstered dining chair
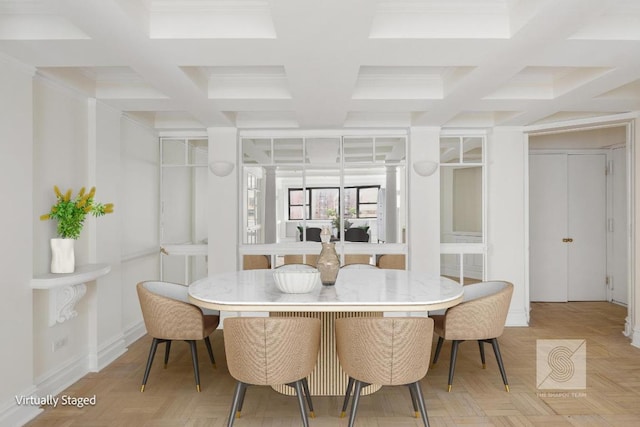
[[384, 351], [481, 317], [311, 259], [256, 262], [392, 261], [168, 316], [271, 351], [357, 259]]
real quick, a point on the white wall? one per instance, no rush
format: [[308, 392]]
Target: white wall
[[506, 160], [55, 135], [16, 182]]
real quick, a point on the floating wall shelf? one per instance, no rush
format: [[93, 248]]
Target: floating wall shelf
[[65, 290]]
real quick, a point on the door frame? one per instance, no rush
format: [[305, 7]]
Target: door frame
[[628, 122]]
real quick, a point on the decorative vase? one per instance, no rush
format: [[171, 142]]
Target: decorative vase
[[328, 264], [62, 256]]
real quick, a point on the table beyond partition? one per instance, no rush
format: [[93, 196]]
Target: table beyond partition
[[356, 293]]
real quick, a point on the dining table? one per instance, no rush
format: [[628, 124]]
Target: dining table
[[356, 293]]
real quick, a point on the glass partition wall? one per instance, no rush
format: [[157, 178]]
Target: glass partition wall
[[462, 207], [292, 187]]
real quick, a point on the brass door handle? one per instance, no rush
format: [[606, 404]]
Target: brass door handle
[[567, 240]]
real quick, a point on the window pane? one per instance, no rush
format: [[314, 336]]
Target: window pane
[[173, 152], [450, 150], [368, 210], [322, 151], [350, 202], [256, 151], [296, 197], [296, 212], [369, 195], [390, 150], [472, 150], [324, 201], [287, 150], [198, 152], [358, 150]]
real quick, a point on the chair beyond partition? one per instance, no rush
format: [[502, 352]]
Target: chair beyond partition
[[356, 234], [168, 316], [312, 234], [310, 259], [271, 351], [392, 261], [480, 317], [256, 262], [357, 259], [387, 352]]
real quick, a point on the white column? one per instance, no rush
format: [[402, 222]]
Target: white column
[[269, 200], [424, 202], [223, 202], [391, 206]]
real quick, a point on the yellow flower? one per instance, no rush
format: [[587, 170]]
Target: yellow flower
[[67, 195], [57, 191], [92, 192], [44, 217], [81, 192]]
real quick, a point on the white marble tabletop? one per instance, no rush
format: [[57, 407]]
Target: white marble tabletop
[[354, 290]]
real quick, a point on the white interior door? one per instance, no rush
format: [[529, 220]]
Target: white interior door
[[548, 226], [568, 235], [587, 219]]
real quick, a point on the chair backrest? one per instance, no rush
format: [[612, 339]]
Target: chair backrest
[[166, 313], [271, 350], [356, 234], [392, 261], [482, 314], [357, 259], [296, 267], [256, 262], [384, 350], [358, 266]]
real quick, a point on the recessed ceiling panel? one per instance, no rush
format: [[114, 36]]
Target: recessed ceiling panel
[[620, 22], [255, 82], [481, 118], [628, 91], [26, 26], [210, 19], [374, 119], [546, 82], [265, 119], [480, 19]]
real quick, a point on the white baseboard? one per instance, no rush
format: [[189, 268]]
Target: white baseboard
[[55, 381], [635, 338], [107, 353], [14, 415], [517, 318], [133, 333]]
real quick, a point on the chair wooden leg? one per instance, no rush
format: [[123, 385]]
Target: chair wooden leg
[[152, 353], [496, 350], [207, 342], [194, 359], [300, 396], [438, 348], [420, 399], [237, 395], [414, 401], [347, 394], [354, 403], [305, 387], [481, 346], [167, 349], [452, 364]]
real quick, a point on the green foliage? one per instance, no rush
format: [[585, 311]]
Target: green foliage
[[71, 212]]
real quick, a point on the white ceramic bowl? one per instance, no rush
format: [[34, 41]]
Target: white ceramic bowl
[[296, 281]]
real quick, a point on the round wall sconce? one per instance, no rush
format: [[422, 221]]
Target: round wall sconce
[[425, 167], [221, 168]]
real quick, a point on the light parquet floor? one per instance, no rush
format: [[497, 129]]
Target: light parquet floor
[[612, 396]]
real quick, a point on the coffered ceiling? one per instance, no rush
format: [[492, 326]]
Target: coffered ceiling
[[336, 63]]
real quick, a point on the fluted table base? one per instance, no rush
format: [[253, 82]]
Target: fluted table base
[[328, 378]]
